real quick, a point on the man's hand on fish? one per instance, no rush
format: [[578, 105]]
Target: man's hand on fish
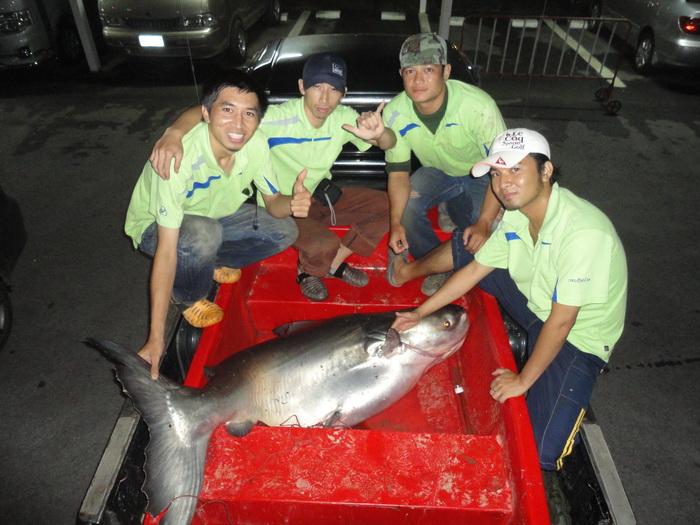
[[405, 320], [151, 353], [506, 385], [301, 198]]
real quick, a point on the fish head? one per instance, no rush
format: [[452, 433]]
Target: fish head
[[438, 335]]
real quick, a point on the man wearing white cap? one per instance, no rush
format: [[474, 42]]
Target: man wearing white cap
[[558, 268]]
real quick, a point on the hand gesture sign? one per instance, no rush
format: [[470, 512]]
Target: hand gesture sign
[[301, 198], [370, 126]]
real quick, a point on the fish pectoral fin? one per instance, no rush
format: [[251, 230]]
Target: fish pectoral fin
[[392, 344], [290, 328], [239, 429], [333, 420]]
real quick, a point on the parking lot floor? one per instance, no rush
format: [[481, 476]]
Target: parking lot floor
[[72, 151]]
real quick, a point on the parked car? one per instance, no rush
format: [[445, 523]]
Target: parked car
[[34, 31], [12, 239], [663, 32], [179, 28], [373, 76]]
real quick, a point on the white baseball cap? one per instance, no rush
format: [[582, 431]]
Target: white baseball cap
[[509, 148]]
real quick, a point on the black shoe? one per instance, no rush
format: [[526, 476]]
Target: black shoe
[[350, 275], [312, 287]]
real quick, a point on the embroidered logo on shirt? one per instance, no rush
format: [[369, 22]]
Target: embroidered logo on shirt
[[580, 280], [163, 211]]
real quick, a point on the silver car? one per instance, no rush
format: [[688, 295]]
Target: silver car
[[33, 32], [179, 28], [664, 32]]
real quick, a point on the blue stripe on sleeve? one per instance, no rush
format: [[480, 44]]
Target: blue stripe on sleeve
[[271, 187], [512, 236]]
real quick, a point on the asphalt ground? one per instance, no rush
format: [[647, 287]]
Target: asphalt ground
[[73, 145]]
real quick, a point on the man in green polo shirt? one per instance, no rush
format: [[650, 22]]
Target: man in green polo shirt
[[309, 133], [196, 224], [448, 125], [557, 266]]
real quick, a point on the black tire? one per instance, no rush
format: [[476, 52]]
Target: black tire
[[70, 48], [5, 315], [238, 45], [612, 107], [594, 11], [603, 93], [274, 13], [644, 53]]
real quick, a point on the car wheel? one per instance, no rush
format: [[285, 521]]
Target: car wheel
[[70, 48], [238, 44], [5, 315], [273, 13], [644, 53], [594, 11]]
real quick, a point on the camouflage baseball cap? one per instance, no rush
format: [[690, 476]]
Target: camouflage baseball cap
[[422, 49]]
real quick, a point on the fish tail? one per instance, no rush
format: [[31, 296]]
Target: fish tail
[[179, 432]]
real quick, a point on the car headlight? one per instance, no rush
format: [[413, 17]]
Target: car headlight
[[203, 20], [15, 22]]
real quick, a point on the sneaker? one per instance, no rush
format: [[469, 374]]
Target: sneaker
[[350, 275], [444, 219], [391, 257], [226, 275], [203, 313], [312, 287], [432, 283]]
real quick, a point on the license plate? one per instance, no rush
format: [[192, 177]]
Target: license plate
[[151, 41]]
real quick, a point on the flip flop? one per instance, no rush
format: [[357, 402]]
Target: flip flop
[[391, 257]]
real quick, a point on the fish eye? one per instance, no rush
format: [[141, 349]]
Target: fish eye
[[447, 324]]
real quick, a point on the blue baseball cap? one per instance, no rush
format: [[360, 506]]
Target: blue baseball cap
[[325, 68]]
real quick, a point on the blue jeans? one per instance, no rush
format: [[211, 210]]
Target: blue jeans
[[430, 187], [205, 244], [559, 398]]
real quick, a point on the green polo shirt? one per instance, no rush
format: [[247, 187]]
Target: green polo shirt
[[463, 138], [296, 145], [201, 187], [578, 260]]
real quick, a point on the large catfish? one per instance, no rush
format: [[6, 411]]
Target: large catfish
[[337, 372]]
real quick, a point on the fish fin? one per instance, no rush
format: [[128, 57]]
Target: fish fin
[[392, 344], [294, 326], [239, 429], [177, 449], [333, 420]]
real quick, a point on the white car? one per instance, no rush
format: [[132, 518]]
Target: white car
[[172, 28], [664, 32]]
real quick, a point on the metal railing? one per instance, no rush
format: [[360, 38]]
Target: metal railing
[[547, 47]]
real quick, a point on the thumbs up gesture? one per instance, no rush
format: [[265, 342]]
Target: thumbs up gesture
[[301, 198]]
